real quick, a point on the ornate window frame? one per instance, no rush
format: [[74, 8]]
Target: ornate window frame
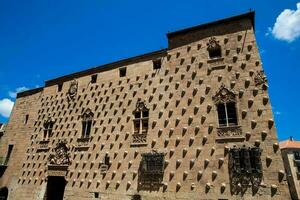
[[48, 128], [140, 124], [87, 122], [231, 132]]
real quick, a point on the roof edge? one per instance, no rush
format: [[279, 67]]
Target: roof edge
[[250, 14], [108, 66]]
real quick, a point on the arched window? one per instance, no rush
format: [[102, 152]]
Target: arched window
[[213, 48], [87, 119], [141, 118], [226, 107], [48, 127]]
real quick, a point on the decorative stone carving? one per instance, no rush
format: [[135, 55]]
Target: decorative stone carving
[[72, 92], [213, 44], [60, 155], [261, 79], [139, 139], [87, 115], [140, 106], [224, 95], [230, 133], [48, 121]]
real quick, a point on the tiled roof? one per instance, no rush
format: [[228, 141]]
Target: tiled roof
[[289, 144]]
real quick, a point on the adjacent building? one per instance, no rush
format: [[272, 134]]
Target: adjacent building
[[192, 121], [290, 151]]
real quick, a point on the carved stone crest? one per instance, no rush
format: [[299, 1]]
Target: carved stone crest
[[60, 155], [72, 92], [261, 79], [140, 106], [224, 95], [213, 44]]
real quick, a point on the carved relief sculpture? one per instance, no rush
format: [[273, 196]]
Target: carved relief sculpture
[[213, 44], [260, 79], [60, 155], [224, 95], [72, 92]]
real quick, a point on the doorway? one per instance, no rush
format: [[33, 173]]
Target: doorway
[[55, 188]]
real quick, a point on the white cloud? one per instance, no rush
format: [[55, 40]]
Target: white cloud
[[13, 94], [287, 25], [6, 106]]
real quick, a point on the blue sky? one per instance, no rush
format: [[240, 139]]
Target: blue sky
[[44, 39]]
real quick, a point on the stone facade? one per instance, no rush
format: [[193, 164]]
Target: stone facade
[[151, 126], [290, 151]]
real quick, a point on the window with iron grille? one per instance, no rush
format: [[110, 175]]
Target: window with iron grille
[[245, 160], [152, 163]]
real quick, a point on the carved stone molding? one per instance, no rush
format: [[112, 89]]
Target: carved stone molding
[[60, 154], [72, 92], [57, 170], [224, 95], [139, 140], [87, 115], [260, 79], [140, 106], [83, 143], [233, 133], [43, 145], [213, 44], [48, 121]]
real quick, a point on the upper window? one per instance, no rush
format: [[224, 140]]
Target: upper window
[[122, 72], [213, 48], [141, 118], [226, 107], [26, 119], [296, 155], [48, 127], [94, 78], [87, 119], [156, 64], [59, 87]]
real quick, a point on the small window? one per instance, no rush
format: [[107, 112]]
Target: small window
[[156, 64], [106, 159], [122, 72], [59, 87], [9, 151], [26, 119], [227, 114], [215, 53], [48, 127], [296, 155], [94, 78], [96, 194]]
